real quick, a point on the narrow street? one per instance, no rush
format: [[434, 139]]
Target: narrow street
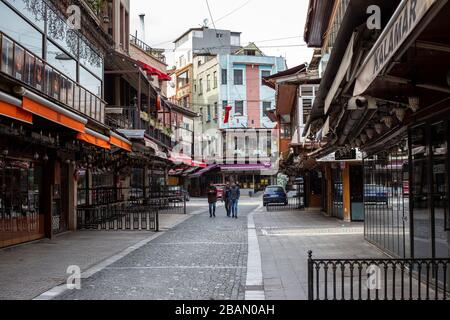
[[193, 257], [200, 259]]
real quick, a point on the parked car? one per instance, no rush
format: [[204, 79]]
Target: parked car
[[220, 189], [178, 192], [293, 193], [275, 194], [376, 193]]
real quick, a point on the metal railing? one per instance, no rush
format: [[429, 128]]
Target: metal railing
[[157, 53], [25, 66], [130, 118], [378, 279], [108, 208], [293, 203], [118, 216]]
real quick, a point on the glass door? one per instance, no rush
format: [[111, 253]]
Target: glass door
[[356, 193], [439, 138], [420, 193]]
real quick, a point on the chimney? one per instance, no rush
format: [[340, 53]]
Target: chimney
[[142, 25]]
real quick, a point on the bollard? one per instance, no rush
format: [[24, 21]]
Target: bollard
[[310, 276]]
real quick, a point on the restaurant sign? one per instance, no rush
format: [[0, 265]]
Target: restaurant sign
[[401, 25]]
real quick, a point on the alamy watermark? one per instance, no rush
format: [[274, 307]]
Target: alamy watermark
[[373, 281], [74, 279], [74, 17]]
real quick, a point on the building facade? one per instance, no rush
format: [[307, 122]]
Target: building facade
[[233, 105], [388, 97]]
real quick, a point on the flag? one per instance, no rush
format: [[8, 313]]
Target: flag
[[227, 114]]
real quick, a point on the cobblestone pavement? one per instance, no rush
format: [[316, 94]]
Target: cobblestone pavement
[[201, 258]]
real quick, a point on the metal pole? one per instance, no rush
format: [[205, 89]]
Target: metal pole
[[310, 276]]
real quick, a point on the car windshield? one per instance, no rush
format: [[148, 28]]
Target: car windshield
[[274, 190]]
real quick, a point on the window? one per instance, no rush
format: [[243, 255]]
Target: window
[[216, 111], [224, 76], [215, 80], [307, 91], [208, 108], [20, 30], [183, 79], [90, 82], [265, 73], [61, 34], [60, 60], [286, 131], [91, 59], [239, 108], [200, 86], [267, 105], [185, 102], [238, 77], [208, 82], [235, 40], [250, 52]]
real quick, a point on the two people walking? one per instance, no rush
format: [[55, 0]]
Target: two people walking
[[230, 196]]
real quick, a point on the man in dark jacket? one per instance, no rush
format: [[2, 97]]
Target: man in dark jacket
[[227, 199], [212, 199], [235, 195]]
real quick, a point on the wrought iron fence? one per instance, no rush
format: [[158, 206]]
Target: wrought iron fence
[[292, 203], [378, 279], [118, 216]]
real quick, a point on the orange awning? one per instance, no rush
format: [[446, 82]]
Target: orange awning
[[90, 138], [119, 143], [11, 111], [52, 115]]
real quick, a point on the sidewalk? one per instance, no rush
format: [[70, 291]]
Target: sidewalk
[[285, 237], [28, 270]]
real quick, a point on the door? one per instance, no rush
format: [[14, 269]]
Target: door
[[420, 193], [356, 193], [439, 188], [20, 188]]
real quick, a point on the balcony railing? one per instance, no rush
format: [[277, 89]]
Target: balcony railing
[[28, 68], [129, 118], [157, 53]]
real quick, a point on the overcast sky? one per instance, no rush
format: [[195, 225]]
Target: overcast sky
[[260, 21]]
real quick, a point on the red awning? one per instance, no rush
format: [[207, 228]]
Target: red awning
[[154, 72]]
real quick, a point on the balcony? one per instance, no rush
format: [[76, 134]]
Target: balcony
[[156, 53], [127, 117], [24, 66]]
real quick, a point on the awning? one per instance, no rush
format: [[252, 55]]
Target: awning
[[345, 65], [176, 172], [199, 164], [390, 40], [189, 171], [204, 170], [180, 158], [286, 98], [120, 142], [94, 138], [244, 167], [11, 107], [44, 108], [153, 71]]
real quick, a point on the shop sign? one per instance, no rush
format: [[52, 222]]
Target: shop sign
[[399, 28]]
